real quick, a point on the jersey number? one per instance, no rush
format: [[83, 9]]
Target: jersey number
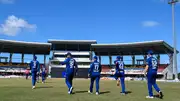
[[154, 64], [121, 66], [96, 68], [71, 63], [34, 64]]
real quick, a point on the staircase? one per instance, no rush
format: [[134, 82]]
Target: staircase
[[168, 71]]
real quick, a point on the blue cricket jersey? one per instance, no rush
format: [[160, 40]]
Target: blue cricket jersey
[[34, 66], [43, 69], [71, 65], [95, 69], [152, 64], [119, 66]]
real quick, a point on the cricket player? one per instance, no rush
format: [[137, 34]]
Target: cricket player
[[120, 72], [151, 73], [94, 74], [34, 66], [43, 73], [71, 70]]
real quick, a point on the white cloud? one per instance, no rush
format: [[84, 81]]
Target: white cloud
[[7, 1], [13, 26], [150, 23]]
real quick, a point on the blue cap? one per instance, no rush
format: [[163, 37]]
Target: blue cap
[[68, 54], [35, 57], [95, 57], [119, 57], [150, 52]]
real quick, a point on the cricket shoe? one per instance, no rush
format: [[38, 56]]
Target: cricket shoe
[[149, 97], [33, 87], [89, 92], [71, 90], [161, 95], [122, 93]]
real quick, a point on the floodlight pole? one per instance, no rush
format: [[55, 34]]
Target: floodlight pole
[[172, 3]]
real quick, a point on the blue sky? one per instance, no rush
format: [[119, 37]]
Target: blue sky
[[107, 21]]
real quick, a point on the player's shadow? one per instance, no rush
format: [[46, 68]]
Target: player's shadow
[[85, 91], [128, 92], [156, 96], [44, 87], [105, 92]]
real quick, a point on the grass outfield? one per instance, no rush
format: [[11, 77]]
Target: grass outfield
[[56, 90]]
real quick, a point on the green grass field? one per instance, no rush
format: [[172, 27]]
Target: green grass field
[[56, 90]]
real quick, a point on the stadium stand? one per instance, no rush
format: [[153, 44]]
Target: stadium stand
[[19, 47], [83, 50], [137, 48]]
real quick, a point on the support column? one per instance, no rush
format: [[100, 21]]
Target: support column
[[53, 49], [10, 57], [52, 55], [110, 61], [145, 58], [133, 60], [100, 59], [44, 59], [170, 58], [33, 56], [91, 55], [22, 58], [170, 69], [6, 59], [158, 58]]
